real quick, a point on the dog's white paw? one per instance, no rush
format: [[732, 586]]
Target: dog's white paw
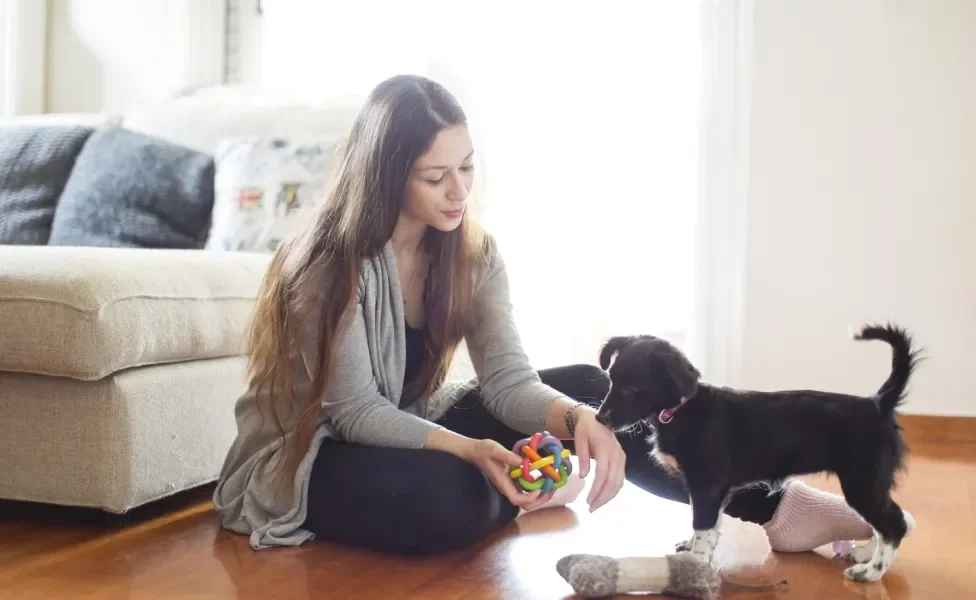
[[703, 544], [859, 554], [874, 565], [865, 573], [684, 546]]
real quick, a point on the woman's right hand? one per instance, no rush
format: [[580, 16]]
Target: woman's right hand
[[496, 462]]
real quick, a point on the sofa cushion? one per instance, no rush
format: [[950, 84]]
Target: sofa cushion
[[86, 313], [35, 162], [128, 189]]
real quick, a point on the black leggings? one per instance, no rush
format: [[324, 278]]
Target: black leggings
[[425, 501]]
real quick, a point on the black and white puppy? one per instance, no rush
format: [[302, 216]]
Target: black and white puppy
[[721, 439]]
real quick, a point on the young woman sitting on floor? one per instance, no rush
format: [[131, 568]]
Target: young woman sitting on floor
[[348, 431]]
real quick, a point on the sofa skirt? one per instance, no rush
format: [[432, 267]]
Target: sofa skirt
[[121, 441]]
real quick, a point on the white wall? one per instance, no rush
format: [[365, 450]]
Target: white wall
[[112, 55], [862, 194], [22, 56]]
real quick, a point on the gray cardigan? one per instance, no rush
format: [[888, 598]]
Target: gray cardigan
[[361, 404]]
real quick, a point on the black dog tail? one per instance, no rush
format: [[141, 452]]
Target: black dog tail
[[904, 359]]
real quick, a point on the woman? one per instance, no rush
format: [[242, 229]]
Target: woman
[[348, 431]]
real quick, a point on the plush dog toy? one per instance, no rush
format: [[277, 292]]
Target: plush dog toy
[[594, 576]]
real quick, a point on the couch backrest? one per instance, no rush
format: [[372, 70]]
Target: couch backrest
[[95, 120], [200, 120]]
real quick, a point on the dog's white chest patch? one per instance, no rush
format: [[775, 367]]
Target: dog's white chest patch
[[669, 462]]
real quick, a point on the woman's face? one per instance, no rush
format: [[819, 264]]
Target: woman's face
[[438, 185]]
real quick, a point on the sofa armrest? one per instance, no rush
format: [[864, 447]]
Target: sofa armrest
[[87, 312]]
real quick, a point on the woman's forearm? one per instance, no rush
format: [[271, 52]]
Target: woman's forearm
[[448, 441], [556, 416], [460, 446]]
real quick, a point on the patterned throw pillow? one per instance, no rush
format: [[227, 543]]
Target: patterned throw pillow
[[264, 188]]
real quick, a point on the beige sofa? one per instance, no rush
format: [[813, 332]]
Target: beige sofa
[[119, 368]]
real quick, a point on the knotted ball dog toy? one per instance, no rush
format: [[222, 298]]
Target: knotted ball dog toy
[[544, 455]]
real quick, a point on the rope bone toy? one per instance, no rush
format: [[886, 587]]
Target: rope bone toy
[[542, 454], [683, 575]]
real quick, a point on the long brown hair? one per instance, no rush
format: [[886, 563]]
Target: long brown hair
[[397, 124]]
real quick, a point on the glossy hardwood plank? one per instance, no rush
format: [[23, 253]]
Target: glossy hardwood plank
[[176, 550]]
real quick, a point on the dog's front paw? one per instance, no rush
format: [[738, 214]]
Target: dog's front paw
[[864, 573], [859, 554], [703, 544], [684, 546]]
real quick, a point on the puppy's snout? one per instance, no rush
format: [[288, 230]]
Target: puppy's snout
[[603, 416]]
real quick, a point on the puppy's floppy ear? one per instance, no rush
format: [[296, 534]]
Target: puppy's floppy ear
[[613, 345], [684, 375]]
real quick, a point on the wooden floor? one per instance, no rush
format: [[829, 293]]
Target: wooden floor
[[176, 550]]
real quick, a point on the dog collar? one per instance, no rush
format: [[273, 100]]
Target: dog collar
[[667, 414]]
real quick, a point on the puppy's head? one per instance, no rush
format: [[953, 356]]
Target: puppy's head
[[647, 375]]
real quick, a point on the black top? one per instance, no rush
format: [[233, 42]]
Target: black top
[[415, 359]]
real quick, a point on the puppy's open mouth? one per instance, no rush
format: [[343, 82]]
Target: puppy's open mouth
[[628, 428], [624, 427], [606, 417]]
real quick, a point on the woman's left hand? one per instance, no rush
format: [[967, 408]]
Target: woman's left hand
[[598, 441]]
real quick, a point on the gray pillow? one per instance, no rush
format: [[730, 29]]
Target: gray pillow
[[35, 162], [130, 189]]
